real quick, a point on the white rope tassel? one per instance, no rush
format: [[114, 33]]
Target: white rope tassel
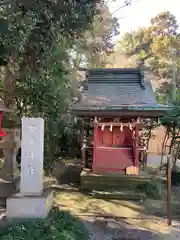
[[75, 120], [130, 126], [102, 128], [121, 128], [111, 127], [138, 120]]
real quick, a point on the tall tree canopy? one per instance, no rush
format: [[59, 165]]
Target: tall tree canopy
[[96, 43], [155, 45], [42, 43], [29, 29]]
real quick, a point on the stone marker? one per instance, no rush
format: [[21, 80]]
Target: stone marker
[[33, 200], [32, 154]]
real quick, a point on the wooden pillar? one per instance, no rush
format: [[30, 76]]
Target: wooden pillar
[[85, 144], [136, 146], [95, 135], [144, 154], [88, 129], [83, 151], [169, 190]]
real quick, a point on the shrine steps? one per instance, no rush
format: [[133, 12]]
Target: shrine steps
[[119, 195], [112, 182]]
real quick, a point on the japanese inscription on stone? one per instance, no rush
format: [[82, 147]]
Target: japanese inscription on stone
[[32, 153]]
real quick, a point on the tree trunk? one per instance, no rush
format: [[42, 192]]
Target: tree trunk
[[9, 85], [163, 145], [9, 88], [176, 150]]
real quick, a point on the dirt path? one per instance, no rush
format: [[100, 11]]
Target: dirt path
[[114, 231], [117, 219]]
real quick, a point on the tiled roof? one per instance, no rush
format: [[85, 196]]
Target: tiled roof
[[115, 87]]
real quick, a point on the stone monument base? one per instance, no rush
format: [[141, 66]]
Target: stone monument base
[[7, 188], [23, 206]]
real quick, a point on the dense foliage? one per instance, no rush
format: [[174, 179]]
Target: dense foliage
[[58, 226], [96, 44], [42, 44], [155, 45], [171, 121], [30, 33]]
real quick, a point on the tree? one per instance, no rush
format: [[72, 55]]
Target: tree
[[36, 78], [36, 43], [154, 45], [32, 28], [131, 42], [155, 40], [171, 122], [164, 24], [94, 46]]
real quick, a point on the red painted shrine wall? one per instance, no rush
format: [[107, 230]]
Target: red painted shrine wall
[[116, 137], [112, 150]]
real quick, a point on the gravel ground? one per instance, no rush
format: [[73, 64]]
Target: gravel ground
[[99, 231]]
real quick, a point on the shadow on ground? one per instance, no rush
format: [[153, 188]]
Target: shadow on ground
[[115, 231], [112, 219], [58, 225], [116, 219]]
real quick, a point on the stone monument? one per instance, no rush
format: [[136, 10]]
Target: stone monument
[[33, 201]]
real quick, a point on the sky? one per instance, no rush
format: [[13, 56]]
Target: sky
[[139, 13]]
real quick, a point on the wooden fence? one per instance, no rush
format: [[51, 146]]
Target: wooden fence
[[156, 142]]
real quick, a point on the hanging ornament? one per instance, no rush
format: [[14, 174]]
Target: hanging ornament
[[130, 126], [121, 128], [159, 121], [133, 134], [75, 120], [102, 128], [111, 127], [138, 120]]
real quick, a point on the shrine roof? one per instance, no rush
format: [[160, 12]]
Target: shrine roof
[[108, 89]]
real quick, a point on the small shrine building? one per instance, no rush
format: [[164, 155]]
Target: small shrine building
[[112, 104]]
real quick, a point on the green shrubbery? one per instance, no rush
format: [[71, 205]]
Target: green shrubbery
[[1, 163], [58, 226], [150, 189], [175, 177]]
